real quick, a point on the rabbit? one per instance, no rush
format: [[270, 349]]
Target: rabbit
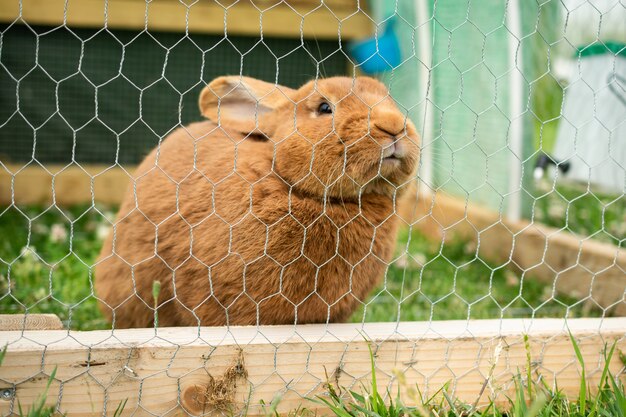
[[278, 209]]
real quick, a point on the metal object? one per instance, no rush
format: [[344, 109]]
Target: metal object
[[7, 394], [543, 161]]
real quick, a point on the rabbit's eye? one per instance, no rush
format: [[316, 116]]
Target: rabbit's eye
[[325, 108]]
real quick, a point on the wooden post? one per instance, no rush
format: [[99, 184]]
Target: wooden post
[[202, 370]]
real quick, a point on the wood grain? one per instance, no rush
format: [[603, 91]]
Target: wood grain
[[30, 322], [169, 370], [271, 18], [63, 185]]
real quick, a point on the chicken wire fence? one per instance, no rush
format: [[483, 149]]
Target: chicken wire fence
[[520, 110]]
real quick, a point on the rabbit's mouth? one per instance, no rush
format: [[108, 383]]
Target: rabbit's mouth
[[394, 157], [391, 162], [394, 151]]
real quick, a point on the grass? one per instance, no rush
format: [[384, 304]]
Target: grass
[[45, 263], [45, 267], [39, 408], [566, 205], [532, 399], [431, 282], [582, 211]]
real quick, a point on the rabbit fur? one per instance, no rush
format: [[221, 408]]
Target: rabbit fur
[[269, 212]]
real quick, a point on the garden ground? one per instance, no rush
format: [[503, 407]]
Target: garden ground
[[46, 258]]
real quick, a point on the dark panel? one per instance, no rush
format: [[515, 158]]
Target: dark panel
[[100, 96]]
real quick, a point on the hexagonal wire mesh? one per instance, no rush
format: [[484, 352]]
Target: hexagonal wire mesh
[[284, 207]]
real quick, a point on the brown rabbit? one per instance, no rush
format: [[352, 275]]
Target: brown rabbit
[[280, 209]]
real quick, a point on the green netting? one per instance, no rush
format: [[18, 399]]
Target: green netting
[[100, 96], [470, 87]]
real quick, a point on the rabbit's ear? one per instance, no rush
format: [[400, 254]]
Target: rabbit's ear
[[239, 102]]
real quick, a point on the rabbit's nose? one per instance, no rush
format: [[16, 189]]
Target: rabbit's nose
[[393, 131], [389, 123]]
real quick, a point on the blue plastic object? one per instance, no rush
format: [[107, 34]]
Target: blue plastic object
[[373, 57]]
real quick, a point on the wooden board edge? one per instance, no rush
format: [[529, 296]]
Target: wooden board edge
[[163, 376], [29, 322], [203, 17]]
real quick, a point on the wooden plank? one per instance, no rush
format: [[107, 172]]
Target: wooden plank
[[576, 265], [63, 185], [174, 369], [30, 322], [271, 18]]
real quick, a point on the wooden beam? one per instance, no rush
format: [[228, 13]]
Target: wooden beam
[[270, 18], [579, 266], [30, 322], [63, 185], [169, 370]]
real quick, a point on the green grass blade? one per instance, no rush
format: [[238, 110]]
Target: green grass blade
[[3, 353], [601, 385], [582, 395], [339, 411], [607, 363], [39, 408], [619, 398], [538, 406], [120, 408], [373, 365], [528, 366], [450, 401], [519, 406], [358, 397]]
